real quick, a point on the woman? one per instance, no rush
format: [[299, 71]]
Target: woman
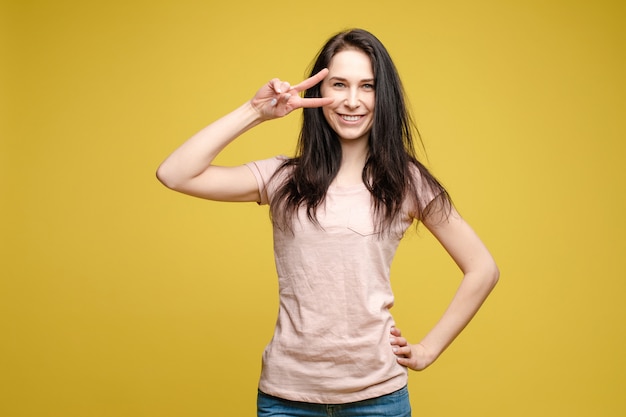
[[339, 209]]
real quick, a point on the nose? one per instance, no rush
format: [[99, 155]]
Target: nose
[[352, 100]]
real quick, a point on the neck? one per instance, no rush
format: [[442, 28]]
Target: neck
[[353, 157]]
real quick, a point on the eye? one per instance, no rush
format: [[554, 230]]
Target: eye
[[368, 86], [339, 84]]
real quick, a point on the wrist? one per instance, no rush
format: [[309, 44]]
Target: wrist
[[429, 354], [257, 107], [251, 113]]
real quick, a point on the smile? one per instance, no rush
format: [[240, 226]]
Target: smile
[[349, 118]]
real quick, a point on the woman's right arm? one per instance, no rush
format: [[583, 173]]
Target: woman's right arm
[[190, 170]]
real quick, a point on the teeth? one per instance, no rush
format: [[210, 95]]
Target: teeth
[[350, 118]]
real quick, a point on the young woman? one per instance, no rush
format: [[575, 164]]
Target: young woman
[[339, 209]]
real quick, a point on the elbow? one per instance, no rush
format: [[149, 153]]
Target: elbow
[[492, 274], [166, 177], [162, 176], [486, 276]]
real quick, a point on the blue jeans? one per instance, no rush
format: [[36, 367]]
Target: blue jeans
[[395, 404]]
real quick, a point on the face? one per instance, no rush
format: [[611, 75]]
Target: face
[[350, 82]]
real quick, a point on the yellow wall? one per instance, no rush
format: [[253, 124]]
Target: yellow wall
[[120, 298]]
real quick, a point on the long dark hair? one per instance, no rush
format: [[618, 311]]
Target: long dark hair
[[389, 172]]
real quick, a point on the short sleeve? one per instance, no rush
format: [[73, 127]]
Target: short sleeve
[[263, 171], [424, 194]]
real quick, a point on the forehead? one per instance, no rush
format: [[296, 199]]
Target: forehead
[[351, 62]]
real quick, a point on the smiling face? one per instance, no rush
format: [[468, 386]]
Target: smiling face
[[350, 82]]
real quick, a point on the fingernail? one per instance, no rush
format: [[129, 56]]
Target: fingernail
[[273, 102]]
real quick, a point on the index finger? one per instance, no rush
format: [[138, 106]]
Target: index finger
[[310, 82]]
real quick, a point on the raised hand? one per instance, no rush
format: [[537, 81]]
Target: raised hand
[[278, 98]]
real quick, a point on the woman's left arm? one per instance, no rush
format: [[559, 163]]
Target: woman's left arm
[[480, 275]]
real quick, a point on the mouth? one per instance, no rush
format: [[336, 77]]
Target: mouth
[[350, 118]]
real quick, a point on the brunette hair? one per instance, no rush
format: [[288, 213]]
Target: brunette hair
[[389, 172]]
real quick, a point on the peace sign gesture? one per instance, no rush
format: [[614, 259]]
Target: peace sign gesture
[[278, 98]]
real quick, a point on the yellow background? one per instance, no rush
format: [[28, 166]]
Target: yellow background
[[121, 298]]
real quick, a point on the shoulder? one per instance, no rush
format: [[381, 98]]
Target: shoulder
[[269, 173], [268, 164], [266, 168], [421, 180], [424, 189]]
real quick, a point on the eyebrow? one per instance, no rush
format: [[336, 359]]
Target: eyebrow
[[368, 80]]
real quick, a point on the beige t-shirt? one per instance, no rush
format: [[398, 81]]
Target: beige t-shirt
[[331, 341]]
